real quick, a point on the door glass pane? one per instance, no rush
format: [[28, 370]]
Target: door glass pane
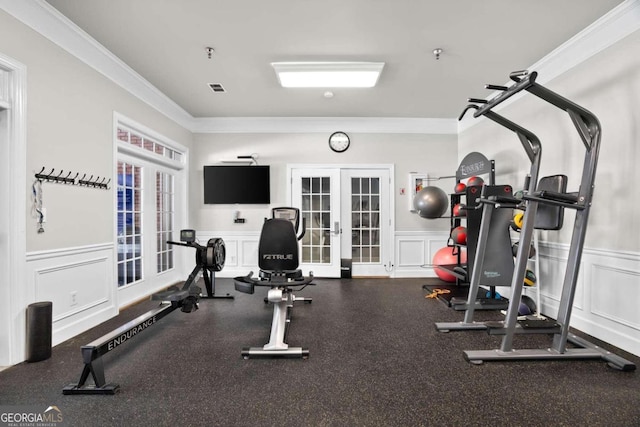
[[326, 203], [355, 203], [326, 254], [164, 220], [365, 219], [326, 185], [129, 216], [365, 186], [316, 208], [306, 185], [355, 186], [375, 185]]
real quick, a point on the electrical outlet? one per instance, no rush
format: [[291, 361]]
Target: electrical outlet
[[74, 299]]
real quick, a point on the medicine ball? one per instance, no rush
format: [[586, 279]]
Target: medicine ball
[[517, 221], [458, 211], [430, 202], [460, 187], [527, 306], [459, 235], [475, 181], [514, 249], [530, 278], [448, 256]]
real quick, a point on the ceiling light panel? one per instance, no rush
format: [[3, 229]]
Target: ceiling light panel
[[328, 74]]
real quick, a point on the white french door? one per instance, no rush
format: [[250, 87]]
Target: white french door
[[316, 192], [348, 214], [366, 221]]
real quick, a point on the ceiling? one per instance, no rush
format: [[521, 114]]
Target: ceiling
[[165, 42]]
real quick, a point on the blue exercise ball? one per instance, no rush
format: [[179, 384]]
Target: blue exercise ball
[[431, 202]]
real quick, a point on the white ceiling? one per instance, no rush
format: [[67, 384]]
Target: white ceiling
[[483, 40]]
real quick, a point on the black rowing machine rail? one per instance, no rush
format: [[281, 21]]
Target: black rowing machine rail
[[208, 258]]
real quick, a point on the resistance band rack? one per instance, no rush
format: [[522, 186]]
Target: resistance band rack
[[589, 130]]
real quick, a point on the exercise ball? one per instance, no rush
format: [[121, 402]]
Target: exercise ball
[[448, 256], [460, 187], [475, 181], [458, 210], [430, 202], [527, 306], [459, 235]]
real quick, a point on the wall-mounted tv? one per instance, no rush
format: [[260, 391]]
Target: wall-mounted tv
[[234, 184]]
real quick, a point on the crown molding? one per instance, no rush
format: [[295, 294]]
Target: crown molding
[[612, 27], [323, 124], [46, 20]]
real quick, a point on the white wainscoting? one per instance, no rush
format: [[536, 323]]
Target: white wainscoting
[[241, 249], [414, 251], [80, 284], [607, 295]]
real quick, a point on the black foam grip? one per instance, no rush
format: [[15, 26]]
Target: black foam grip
[[39, 329]]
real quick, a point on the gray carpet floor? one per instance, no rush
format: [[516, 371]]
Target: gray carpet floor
[[375, 360]]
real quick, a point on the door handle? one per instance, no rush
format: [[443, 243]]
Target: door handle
[[336, 228]]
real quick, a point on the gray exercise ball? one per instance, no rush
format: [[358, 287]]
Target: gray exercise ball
[[431, 202]]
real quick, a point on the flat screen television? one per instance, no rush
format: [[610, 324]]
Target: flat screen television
[[234, 184]]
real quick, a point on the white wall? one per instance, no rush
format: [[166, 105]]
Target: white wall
[[70, 110], [434, 154], [608, 85]]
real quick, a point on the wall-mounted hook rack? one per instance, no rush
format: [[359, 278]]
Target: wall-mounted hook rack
[[60, 178]]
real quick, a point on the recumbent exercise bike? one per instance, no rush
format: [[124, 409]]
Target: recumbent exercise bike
[[278, 263]]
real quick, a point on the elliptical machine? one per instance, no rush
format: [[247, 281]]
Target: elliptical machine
[[278, 262]]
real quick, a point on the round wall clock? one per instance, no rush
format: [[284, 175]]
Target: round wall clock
[[339, 142]]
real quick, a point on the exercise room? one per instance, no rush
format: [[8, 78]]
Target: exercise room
[[285, 213]]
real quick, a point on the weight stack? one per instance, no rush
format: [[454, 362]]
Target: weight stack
[[39, 320]]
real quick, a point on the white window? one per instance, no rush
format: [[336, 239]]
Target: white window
[[129, 214], [149, 170], [164, 220]]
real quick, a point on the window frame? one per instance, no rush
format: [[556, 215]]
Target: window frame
[[153, 161]]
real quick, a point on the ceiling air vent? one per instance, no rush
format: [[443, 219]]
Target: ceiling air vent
[[216, 87]]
